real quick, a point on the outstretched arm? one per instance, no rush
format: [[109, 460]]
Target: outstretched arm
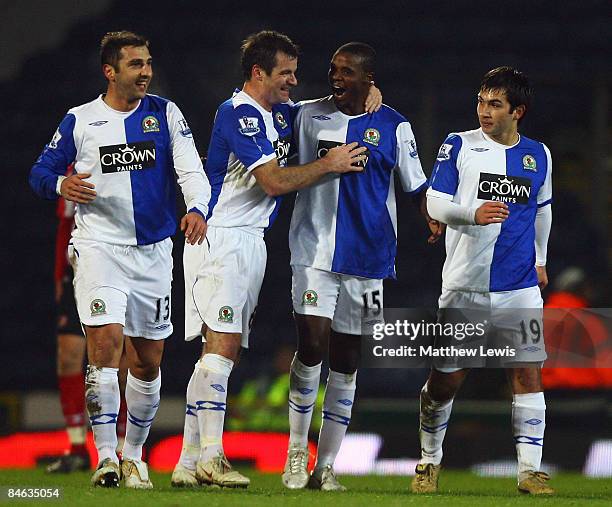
[[276, 180]]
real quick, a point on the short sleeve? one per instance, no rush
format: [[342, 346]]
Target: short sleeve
[[246, 132], [444, 179], [408, 164]]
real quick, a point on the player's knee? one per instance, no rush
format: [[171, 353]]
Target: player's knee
[[444, 386], [347, 365], [104, 347], [147, 372], [310, 352], [227, 345], [525, 380], [313, 337], [440, 392], [145, 364], [344, 361], [344, 352]]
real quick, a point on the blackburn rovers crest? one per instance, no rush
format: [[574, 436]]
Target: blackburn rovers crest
[[310, 297], [226, 314], [280, 120], [529, 163], [150, 124], [97, 307], [371, 136]]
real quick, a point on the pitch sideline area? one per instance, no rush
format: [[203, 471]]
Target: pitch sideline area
[[457, 488]]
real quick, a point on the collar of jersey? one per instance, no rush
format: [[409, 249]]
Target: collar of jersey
[[244, 96], [500, 145], [123, 114], [331, 98]]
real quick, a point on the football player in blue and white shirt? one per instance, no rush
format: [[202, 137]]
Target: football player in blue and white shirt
[[127, 148], [493, 187], [343, 244], [246, 166]]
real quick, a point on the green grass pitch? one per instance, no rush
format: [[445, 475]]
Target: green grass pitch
[[456, 488]]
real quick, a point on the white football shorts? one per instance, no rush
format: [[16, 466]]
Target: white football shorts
[[127, 285], [515, 315], [349, 301], [223, 277]]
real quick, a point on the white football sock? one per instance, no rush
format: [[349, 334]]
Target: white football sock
[[337, 407], [211, 378], [190, 451], [528, 423], [142, 399], [102, 401], [434, 416], [303, 390]]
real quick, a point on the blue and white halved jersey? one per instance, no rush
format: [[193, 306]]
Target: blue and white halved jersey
[[347, 223], [244, 137], [471, 169], [132, 157]]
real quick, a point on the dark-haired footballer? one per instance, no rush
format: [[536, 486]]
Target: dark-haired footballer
[[128, 147], [493, 187], [343, 244], [246, 165]]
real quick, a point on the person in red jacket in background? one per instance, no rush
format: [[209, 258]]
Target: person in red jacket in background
[[577, 332], [71, 348]]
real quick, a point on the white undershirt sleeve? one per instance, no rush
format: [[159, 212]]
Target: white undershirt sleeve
[[449, 212], [187, 164], [543, 221]]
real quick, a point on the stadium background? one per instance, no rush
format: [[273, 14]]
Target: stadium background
[[431, 56]]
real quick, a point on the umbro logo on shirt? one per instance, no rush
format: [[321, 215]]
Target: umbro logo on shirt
[[479, 150], [98, 123], [321, 117]]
